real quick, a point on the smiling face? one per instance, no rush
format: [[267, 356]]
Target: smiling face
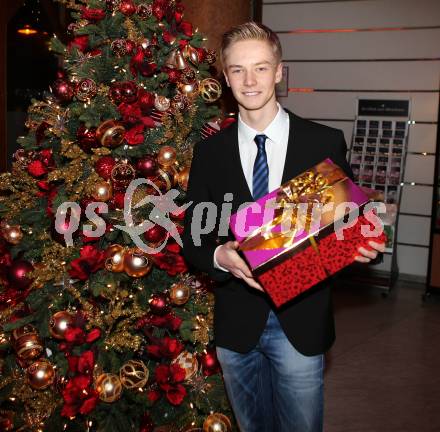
[[252, 70]]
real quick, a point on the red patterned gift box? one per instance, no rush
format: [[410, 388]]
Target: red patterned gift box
[[290, 261]]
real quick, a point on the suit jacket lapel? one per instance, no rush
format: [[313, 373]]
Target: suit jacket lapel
[[291, 164]]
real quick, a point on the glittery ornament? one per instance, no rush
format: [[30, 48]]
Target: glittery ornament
[[28, 346], [144, 10], [162, 103], [104, 166], [133, 374], [125, 91], [102, 191], [180, 102], [109, 387], [159, 304], [13, 234], [86, 89], [122, 175], [188, 76], [127, 7], [62, 90], [112, 5], [210, 90], [210, 57], [188, 362], [119, 47], [87, 138]]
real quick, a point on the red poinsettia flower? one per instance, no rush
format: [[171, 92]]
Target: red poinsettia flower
[[37, 168], [79, 396], [90, 261], [77, 336], [79, 42], [168, 379], [165, 348], [170, 260], [186, 28]]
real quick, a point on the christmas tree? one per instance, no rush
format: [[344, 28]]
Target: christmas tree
[[102, 327]]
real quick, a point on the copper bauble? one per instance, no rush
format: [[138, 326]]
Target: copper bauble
[[167, 156], [22, 331], [133, 374], [110, 133], [162, 103], [102, 191], [28, 346], [122, 175], [179, 293], [114, 258], [109, 387], [188, 362], [85, 89], [189, 90], [40, 374], [182, 178], [13, 234], [59, 323], [166, 178], [217, 422], [136, 263], [191, 54]]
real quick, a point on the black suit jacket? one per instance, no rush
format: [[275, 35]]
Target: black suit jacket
[[241, 312]]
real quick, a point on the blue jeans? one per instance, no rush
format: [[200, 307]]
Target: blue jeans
[[274, 388]]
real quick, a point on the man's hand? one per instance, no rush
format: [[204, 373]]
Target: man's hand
[[228, 258], [366, 255]]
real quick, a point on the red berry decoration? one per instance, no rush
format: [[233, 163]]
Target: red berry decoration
[[17, 274], [87, 138], [62, 90], [159, 304], [127, 7], [147, 166], [155, 234], [104, 166], [126, 91]]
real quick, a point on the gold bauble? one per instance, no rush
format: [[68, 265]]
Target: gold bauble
[[40, 374], [190, 90], [134, 374], [162, 103], [167, 156], [217, 422], [166, 178], [110, 133], [59, 323], [109, 387], [102, 191], [182, 178], [179, 293], [114, 258], [188, 362], [191, 54], [210, 90], [136, 263], [13, 234]]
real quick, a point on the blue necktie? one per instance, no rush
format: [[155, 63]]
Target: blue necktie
[[260, 180]]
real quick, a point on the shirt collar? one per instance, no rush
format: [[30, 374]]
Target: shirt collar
[[274, 131]]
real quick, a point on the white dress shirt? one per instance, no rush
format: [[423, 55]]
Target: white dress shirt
[[277, 133]]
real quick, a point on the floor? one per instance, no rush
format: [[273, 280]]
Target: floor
[[383, 373]]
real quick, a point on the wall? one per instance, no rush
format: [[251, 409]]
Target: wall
[[346, 49]]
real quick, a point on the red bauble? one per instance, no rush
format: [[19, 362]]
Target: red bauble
[[147, 166], [130, 46], [104, 166], [159, 304], [155, 234], [209, 363], [40, 132], [17, 274], [62, 90], [158, 12], [117, 201], [127, 7], [126, 91], [146, 100], [87, 138]]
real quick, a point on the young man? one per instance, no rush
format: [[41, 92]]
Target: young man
[[272, 359]]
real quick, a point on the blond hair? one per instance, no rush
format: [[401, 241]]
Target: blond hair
[[250, 31]]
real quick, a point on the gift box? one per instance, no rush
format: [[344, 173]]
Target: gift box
[[295, 236]]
